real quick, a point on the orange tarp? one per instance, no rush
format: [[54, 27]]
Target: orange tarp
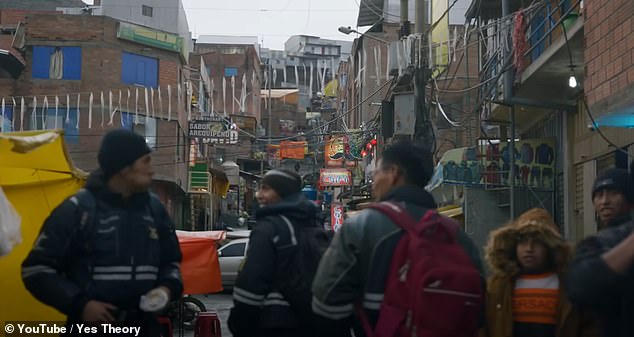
[[200, 268]]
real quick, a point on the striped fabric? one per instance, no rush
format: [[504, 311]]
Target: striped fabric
[[536, 299]]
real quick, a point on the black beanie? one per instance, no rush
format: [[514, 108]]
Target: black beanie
[[284, 182], [615, 179], [120, 148]]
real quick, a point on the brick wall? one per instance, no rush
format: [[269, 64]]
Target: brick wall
[[609, 72]]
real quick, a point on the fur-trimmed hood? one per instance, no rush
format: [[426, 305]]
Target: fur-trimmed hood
[[536, 223]]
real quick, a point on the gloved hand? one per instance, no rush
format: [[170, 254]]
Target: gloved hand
[[155, 300]]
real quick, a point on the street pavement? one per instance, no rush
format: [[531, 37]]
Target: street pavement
[[222, 303]]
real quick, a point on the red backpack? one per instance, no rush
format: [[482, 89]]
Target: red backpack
[[433, 288]]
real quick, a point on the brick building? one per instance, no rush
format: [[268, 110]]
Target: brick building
[[69, 58]]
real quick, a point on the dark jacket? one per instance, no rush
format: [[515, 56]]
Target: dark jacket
[[591, 283], [259, 307], [124, 251], [355, 267], [500, 256]]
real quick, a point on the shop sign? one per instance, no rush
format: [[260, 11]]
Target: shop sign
[[212, 131], [293, 150], [335, 177], [336, 216], [150, 37], [335, 151], [246, 123]]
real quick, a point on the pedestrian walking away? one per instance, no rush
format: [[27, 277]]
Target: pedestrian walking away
[[272, 293], [601, 276], [360, 268], [525, 296], [109, 254]]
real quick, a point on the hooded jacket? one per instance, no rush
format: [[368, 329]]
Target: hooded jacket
[[355, 267], [259, 307], [594, 285], [500, 257], [128, 248]]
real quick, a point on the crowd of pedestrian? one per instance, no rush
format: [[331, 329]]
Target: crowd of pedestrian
[[109, 254]]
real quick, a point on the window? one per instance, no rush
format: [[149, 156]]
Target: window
[[56, 63], [52, 120], [7, 120], [147, 11], [140, 70], [231, 71], [145, 127], [233, 250]]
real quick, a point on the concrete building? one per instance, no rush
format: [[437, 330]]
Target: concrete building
[[87, 74]]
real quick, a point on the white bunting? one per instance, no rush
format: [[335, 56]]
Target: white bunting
[[296, 77], [67, 108], [44, 112], [34, 113], [90, 98], [152, 101], [211, 95], [78, 110], [136, 106], [160, 102], [110, 109], [233, 95], [169, 102], [102, 110], [56, 110], [147, 108], [224, 96], [13, 119], [22, 109]]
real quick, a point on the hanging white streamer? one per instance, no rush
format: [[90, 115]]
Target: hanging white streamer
[[2, 120], [103, 108], [56, 110], [243, 93], [233, 95], [78, 110], [160, 102], [305, 78], [13, 118], [284, 73], [224, 96], [136, 106], [310, 85], [190, 92], [296, 77], [376, 65], [120, 108], [147, 108], [387, 65], [211, 95], [90, 98], [34, 113], [112, 112], [152, 101], [127, 106], [45, 113], [22, 110], [67, 108], [169, 102]]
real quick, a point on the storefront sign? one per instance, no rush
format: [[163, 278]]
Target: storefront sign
[[246, 123], [150, 37], [336, 216], [335, 151], [293, 150], [335, 177], [212, 131]]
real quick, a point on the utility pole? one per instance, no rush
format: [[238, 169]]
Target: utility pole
[[508, 94]]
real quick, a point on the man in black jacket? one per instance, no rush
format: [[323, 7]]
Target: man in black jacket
[[260, 309], [601, 277], [109, 254]]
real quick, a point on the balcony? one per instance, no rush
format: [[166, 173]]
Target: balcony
[[542, 71]]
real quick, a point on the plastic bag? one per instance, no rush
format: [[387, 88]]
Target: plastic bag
[[9, 225]]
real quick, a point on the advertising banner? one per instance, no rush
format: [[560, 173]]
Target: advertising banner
[[335, 151], [336, 216], [335, 177], [212, 131], [489, 164], [293, 150]]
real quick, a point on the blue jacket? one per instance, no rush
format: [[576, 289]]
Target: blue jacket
[[122, 252]]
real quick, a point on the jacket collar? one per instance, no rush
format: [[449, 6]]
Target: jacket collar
[[98, 185], [296, 207], [411, 194]]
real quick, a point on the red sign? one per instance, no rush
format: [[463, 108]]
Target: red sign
[[336, 216], [335, 177]]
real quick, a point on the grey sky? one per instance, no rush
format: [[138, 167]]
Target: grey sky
[[272, 21]]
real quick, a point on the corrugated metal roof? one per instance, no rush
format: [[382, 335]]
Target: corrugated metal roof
[[39, 5], [370, 11]]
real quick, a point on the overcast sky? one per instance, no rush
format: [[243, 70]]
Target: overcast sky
[[272, 21]]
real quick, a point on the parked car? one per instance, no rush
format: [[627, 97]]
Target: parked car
[[230, 258]]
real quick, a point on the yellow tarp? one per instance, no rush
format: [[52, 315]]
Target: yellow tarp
[[36, 175]]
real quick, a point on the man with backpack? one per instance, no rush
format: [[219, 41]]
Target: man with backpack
[[399, 267], [109, 254], [272, 294]]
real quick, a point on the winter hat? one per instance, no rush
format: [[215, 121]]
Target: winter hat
[[120, 148], [615, 179], [284, 182]]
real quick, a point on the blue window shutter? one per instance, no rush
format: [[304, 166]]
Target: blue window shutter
[[41, 61], [128, 68], [72, 63], [140, 72], [151, 72], [231, 71]]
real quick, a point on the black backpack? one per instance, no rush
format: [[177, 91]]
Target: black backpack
[[297, 268]]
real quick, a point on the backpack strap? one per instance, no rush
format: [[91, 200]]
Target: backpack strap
[[446, 231], [86, 208]]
